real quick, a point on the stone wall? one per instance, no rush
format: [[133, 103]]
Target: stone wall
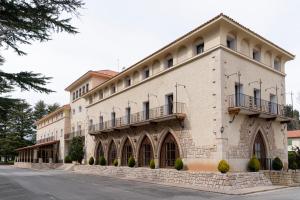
[[211, 181], [282, 177], [37, 165]]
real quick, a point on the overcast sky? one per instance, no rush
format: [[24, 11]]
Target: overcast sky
[[130, 30]]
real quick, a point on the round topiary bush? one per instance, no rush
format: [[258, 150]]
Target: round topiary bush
[[102, 161], [115, 163], [178, 164], [131, 162], [253, 165], [223, 166], [91, 161], [68, 159], [152, 164], [277, 164]]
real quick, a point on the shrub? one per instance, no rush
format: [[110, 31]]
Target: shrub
[[178, 164], [68, 159], [152, 164], [293, 164], [91, 161], [115, 163], [277, 164], [223, 166], [102, 161], [253, 165], [131, 162]]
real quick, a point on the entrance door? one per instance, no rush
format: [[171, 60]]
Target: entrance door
[[259, 150]]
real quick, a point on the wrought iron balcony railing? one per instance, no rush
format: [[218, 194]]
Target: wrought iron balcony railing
[[69, 136], [48, 139], [256, 105], [161, 113]]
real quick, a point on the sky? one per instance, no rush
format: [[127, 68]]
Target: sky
[[116, 34]]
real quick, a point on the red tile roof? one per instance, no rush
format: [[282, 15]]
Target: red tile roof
[[108, 72], [294, 134]]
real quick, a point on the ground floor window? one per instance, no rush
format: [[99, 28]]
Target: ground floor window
[[126, 152], [99, 152], [145, 153], [259, 150], [112, 153], [169, 152]]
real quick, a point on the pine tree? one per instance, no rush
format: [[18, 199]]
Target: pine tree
[[52, 107]]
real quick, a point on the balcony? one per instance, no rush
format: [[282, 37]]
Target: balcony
[[256, 107], [48, 139], [70, 135], [154, 115]]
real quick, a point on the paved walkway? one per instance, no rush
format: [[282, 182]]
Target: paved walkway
[[23, 184]]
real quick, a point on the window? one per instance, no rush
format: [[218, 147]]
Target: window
[[90, 125], [79, 108], [230, 42], [113, 119], [73, 111], [101, 94], [76, 94], [73, 96], [128, 112], [256, 97], [101, 122], [146, 73], [200, 48], [113, 89], [90, 99], [290, 142], [169, 101], [80, 92], [169, 62], [256, 54], [127, 81], [61, 132], [277, 64], [146, 110], [87, 87], [83, 89]]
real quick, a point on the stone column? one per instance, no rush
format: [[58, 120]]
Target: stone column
[[30, 155], [35, 155], [156, 162]]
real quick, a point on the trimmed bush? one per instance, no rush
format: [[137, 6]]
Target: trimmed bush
[[253, 165], [223, 166], [68, 159], [152, 164], [131, 162], [91, 161], [277, 164], [102, 161], [293, 160], [178, 164], [115, 163]]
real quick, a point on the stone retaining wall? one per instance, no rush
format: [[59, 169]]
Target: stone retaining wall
[[287, 178], [211, 181], [37, 165]]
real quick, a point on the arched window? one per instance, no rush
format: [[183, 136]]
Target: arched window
[[145, 152], [256, 54], [169, 61], [277, 63], [126, 152], [112, 153], [169, 152], [199, 46], [99, 152], [231, 41]]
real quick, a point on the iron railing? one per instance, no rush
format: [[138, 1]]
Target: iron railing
[[70, 135], [48, 139], [256, 104], [139, 117]]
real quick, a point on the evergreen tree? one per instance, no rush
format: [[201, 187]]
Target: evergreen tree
[[294, 114], [52, 107], [40, 110], [76, 149]]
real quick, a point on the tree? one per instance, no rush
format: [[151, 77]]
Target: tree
[[294, 114], [25, 21], [40, 110], [52, 107], [76, 149]]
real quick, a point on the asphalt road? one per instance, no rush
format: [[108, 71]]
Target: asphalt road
[[25, 184]]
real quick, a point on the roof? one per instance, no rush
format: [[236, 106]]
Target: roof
[[38, 145], [101, 73], [213, 20], [64, 107], [294, 134]]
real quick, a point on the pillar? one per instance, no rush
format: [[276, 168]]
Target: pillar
[[35, 155]]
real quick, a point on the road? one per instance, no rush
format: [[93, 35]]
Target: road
[[26, 184]]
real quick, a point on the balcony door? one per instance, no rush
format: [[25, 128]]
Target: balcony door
[[113, 119], [256, 97], [239, 98], [146, 110], [170, 104], [273, 104], [128, 113]]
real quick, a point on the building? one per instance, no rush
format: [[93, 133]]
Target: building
[[293, 139], [218, 92]]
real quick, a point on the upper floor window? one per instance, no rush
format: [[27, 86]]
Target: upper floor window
[[231, 42], [90, 99], [73, 96], [113, 89], [199, 46], [277, 64], [80, 92], [87, 87], [256, 54], [73, 111], [76, 94], [101, 94], [83, 89], [146, 73], [127, 81], [79, 108]]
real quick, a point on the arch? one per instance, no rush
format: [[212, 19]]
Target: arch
[[182, 54], [259, 148], [168, 151], [277, 63], [145, 151], [112, 153], [231, 40], [168, 61], [198, 46], [99, 151], [127, 152]]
